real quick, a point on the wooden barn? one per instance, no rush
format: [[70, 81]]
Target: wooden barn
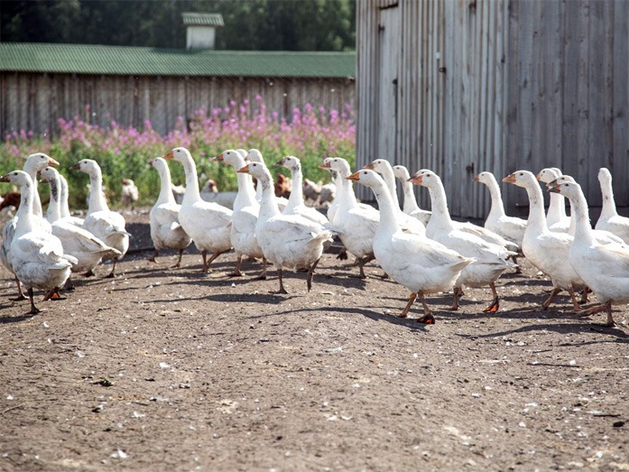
[[463, 86], [40, 83]]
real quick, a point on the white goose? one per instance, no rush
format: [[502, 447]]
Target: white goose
[[420, 264], [245, 213], [547, 250], [601, 236], [509, 227], [106, 225], [65, 206], [356, 226], [296, 205], [287, 240], [409, 223], [603, 267], [609, 218], [410, 206], [490, 259], [254, 155], [207, 223], [33, 164], [36, 256], [78, 242], [166, 231], [556, 217]]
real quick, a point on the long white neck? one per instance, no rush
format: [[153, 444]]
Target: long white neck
[[191, 194], [297, 192], [37, 207], [388, 219], [439, 204], [63, 197], [579, 211], [53, 213], [497, 206], [609, 205], [410, 204], [389, 179], [246, 195], [165, 190], [97, 197], [268, 204], [557, 208], [537, 219], [26, 220]]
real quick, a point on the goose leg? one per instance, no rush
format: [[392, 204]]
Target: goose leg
[[575, 302], [311, 273], [407, 308], [112, 274], [237, 273], [213, 258], [361, 264], [178, 264], [607, 307], [204, 256], [262, 276], [495, 304], [428, 318], [550, 298], [610, 318], [20, 293], [282, 289], [455, 300], [34, 309], [153, 258], [53, 294]]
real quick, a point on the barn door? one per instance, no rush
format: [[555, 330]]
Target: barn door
[[389, 48]]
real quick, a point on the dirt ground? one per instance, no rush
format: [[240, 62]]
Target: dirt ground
[[168, 369]]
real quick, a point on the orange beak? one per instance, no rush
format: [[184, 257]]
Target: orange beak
[[554, 188], [477, 179], [218, 158], [416, 179], [52, 162], [243, 170], [509, 178], [539, 176], [369, 166], [353, 176], [169, 155], [324, 166]]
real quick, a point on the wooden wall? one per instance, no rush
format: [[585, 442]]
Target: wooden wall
[[35, 101], [495, 85]]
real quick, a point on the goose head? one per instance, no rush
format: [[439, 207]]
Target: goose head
[[570, 190], [289, 162], [367, 177], [231, 157], [17, 177], [180, 154], [425, 178], [380, 166], [128, 182], [255, 155], [36, 162], [257, 170], [159, 163], [484, 178], [337, 164], [401, 173], [50, 176], [548, 174], [521, 178], [604, 176], [88, 166]]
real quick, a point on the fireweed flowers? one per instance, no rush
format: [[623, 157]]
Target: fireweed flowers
[[310, 133]]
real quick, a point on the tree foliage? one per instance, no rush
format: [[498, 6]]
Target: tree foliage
[[298, 25]]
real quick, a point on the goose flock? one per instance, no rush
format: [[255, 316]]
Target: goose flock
[[426, 252]]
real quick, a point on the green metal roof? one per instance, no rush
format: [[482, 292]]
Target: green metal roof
[[121, 60], [202, 19]]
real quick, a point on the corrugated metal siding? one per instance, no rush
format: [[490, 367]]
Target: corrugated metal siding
[[35, 101], [525, 85]]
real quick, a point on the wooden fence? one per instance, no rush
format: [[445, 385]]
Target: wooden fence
[[36, 101], [462, 86]]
